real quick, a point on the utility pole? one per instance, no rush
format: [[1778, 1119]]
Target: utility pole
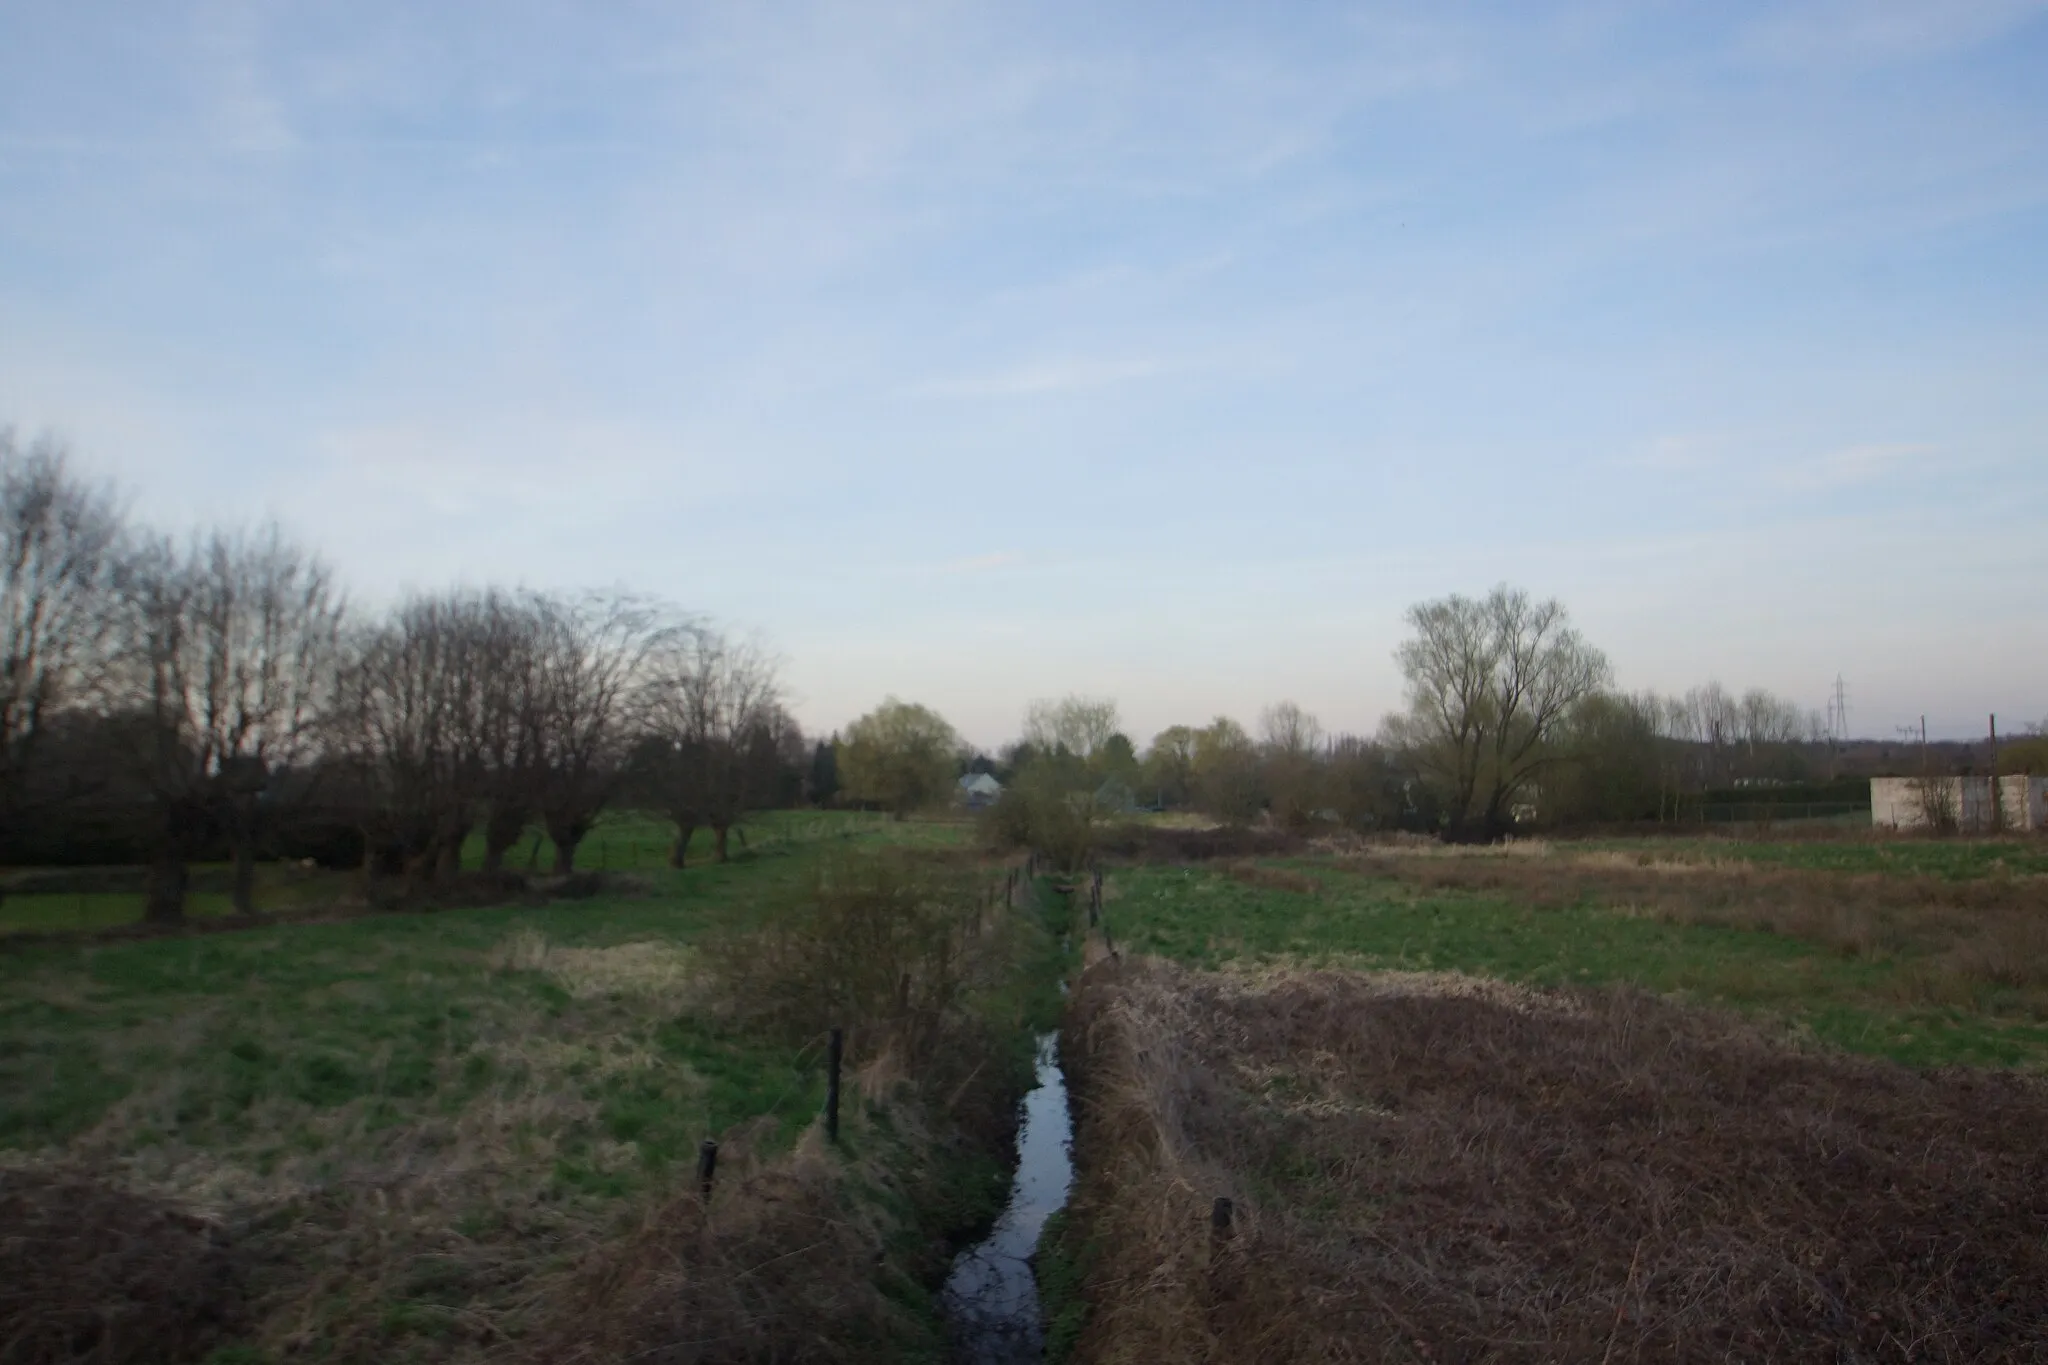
[[1838, 725]]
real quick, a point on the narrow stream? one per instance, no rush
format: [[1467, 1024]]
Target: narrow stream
[[991, 1297]]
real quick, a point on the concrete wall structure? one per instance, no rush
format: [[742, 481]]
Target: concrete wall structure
[[2020, 802]]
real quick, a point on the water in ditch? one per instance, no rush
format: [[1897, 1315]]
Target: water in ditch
[[991, 1296]]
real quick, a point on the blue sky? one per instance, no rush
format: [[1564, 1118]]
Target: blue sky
[[978, 352]]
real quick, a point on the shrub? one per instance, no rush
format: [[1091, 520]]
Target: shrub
[[888, 946]]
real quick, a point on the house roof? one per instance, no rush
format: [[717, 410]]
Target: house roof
[[981, 784]]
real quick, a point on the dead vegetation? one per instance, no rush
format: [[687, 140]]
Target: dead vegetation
[[1180, 843], [90, 1273], [1444, 1169], [1249, 873], [776, 1267]]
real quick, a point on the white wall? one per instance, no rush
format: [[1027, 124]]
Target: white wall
[[1895, 802]]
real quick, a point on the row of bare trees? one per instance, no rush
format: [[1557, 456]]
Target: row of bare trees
[[219, 686], [1510, 713]]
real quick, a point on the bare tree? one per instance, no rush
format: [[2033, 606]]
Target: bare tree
[[508, 742], [1286, 728], [1490, 685], [409, 698], [713, 710], [233, 648], [1079, 725], [57, 550], [592, 650], [1294, 771]]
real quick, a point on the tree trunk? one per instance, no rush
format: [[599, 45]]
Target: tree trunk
[[448, 865], [165, 903], [245, 877], [684, 831], [718, 833], [501, 833], [565, 856]]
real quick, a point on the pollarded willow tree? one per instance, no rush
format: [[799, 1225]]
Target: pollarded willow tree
[[228, 662], [59, 539], [1492, 683], [715, 733]]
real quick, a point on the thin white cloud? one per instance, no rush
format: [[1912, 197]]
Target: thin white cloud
[[1050, 377], [1847, 467], [1000, 559]]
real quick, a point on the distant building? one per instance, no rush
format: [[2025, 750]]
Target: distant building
[[1972, 803], [978, 790]]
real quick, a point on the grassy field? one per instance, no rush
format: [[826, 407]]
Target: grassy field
[[435, 1112], [625, 841], [1665, 1099], [1858, 850], [1923, 951]]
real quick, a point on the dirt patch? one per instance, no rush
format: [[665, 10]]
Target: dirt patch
[[1437, 1168], [1156, 843], [90, 1273], [1249, 873]]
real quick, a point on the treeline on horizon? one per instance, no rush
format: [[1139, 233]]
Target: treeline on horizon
[[170, 701], [167, 701]]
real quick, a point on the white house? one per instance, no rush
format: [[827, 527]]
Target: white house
[[978, 790]]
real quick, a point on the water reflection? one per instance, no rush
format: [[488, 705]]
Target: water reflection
[[991, 1298]]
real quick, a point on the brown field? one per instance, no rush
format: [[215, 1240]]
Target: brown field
[[1436, 1168]]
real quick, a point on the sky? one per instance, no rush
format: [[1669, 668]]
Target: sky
[[1168, 352]]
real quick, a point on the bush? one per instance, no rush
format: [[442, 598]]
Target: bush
[[889, 946], [1055, 813]]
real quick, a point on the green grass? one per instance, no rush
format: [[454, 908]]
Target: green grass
[[538, 1075], [248, 1041], [623, 841], [400, 1012], [1205, 918]]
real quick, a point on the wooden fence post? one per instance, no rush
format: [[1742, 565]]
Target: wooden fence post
[[707, 1165]]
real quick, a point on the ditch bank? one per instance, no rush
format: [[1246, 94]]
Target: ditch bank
[[1430, 1167]]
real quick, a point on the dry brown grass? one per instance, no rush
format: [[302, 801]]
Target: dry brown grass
[[1250, 873], [1444, 1169], [780, 1265], [90, 1273]]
